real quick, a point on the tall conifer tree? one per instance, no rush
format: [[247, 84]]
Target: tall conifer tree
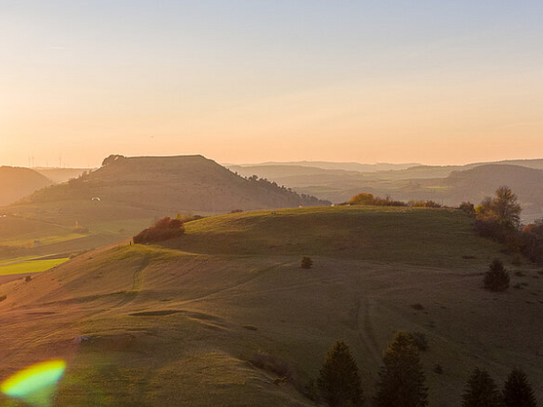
[[517, 392], [481, 391], [339, 382], [402, 380]]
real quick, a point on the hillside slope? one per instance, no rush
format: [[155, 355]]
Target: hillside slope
[[17, 182], [127, 194], [482, 181], [177, 324]]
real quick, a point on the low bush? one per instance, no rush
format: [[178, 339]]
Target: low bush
[[164, 229], [424, 204], [307, 263], [368, 199], [420, 341], [496, 278], [468, 208], [272, 364]]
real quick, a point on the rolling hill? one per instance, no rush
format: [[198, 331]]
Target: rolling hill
[[169, 184], [179, 323], [483, 180], [18, 182], [449, 185], [124, 196]]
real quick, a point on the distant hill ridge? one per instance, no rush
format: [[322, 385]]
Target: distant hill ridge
[[481, 181], [176, 183], [17, 182]]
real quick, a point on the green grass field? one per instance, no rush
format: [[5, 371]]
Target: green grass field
[[30, 266], [386, 234], [177, 323]]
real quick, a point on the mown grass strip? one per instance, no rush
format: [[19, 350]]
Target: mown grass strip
[[31, 266]]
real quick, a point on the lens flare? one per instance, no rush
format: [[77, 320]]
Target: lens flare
[[33, 379]]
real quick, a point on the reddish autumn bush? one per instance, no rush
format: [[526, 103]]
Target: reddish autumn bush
[[165, 229]]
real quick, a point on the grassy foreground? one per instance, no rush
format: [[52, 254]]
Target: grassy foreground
[[178, 323]]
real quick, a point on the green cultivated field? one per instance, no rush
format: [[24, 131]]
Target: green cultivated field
[[30, 266]]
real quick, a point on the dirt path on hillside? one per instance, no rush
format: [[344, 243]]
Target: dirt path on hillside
[[365, 329]]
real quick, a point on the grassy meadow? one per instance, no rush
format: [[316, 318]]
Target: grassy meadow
[[30, 266], [180, 322]]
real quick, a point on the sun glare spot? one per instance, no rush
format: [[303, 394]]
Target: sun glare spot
[[38, 378]]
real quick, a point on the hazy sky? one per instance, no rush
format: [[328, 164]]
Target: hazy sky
[[429, 81]]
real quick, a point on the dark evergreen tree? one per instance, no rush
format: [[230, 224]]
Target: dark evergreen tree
[[339, 382], [517, 392], [496, 278], [481, 391], [401, 380]]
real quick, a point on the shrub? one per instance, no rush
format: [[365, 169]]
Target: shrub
[[496, 278], [424, 204], [420, 341], [307, 263], [272, 364], [3, 297], [28, 278], [368, 199], [468, 208], [532, 241], [164, 229], [362, 199]]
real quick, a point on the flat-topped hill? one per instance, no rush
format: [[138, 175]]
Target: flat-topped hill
[[169, 184], [124, 196]]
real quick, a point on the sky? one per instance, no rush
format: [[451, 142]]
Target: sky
[[246, 81]]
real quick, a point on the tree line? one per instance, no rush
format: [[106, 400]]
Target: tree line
[[498, 218], [402, 381]]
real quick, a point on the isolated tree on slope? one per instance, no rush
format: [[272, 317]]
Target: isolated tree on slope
[[481, 391], [402, 380], [517, 392], [339, 382], [506, 207], [503, 208], [496, 277]]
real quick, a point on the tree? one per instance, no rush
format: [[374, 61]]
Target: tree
[[532, 240], [506, 207], [113, 157], [496, 278], [503, 209], [481, 391], [401, 380], [339, 382], [517, 392]]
